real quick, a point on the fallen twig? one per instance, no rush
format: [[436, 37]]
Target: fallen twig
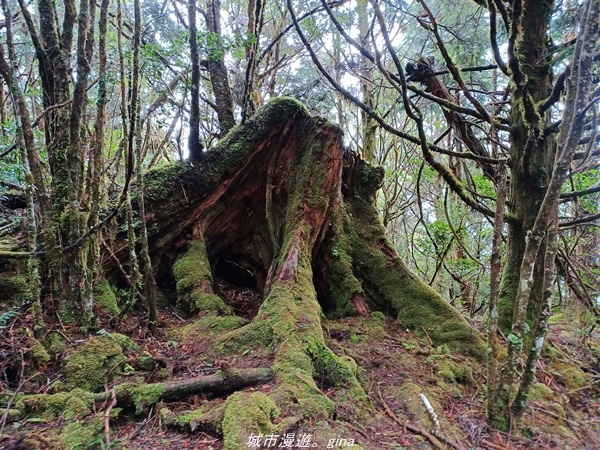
[[430, 410], [113, 398], [415, 429]]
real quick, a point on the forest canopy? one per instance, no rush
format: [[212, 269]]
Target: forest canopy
[[272, 172]]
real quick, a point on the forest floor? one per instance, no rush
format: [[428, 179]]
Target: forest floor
[[395, 368]]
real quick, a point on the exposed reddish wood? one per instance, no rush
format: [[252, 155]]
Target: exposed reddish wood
[[360, 304], [288, 271], [389, 251]]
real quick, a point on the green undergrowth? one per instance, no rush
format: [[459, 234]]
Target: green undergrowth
[[85, 434], [14, 290], [316, 388]]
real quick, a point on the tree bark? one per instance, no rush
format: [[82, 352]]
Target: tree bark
[[195, 146], [219, 77], [251, 99]]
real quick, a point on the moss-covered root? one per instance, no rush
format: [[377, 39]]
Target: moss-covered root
[[70, 405], [391, 286], [194, 282], [289, 321], [247, 415]]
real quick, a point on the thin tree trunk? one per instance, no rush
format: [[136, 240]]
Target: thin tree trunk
[[577, 101], [123, 146], [150, 288], [74, 217], [3, 116], [96, 165], [368, 125], [194, 144], [219, 78], [495, 269], [33, 178], [134, 275], [518, 406], [251, 98], [38, 196]]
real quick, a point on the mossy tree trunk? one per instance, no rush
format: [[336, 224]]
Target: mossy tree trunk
[[280, 207], [539, 167]]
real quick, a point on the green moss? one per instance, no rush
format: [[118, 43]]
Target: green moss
[[412, 405], [234, 148], [207, 417], [160, 182], [572, 377], [96, 362], [379, 316], [55, 343], [106, 299], [549, 351], [557, 408], [343, 283], [194, 282], [391, 286], [163, 374], [14, 289], [328, 366], [259, 334], [140, 395], [84, 435], [73, 404], [145, 396], [210, 324], [456, 373], [38, 352], [210, 303], [371, 179], [541, 391], [351, 363], [247, 413], [145, 362]]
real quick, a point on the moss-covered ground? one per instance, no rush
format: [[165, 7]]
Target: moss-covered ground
[[394, 367]]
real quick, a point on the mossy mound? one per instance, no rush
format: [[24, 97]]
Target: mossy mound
[[207, 417], [38, 352], [248, 414], [209, 325], [96, 362], [456, 373], [84, 434]]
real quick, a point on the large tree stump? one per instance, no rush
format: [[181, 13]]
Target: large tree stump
[[279, 206]]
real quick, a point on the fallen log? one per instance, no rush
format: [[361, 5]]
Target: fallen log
[[140, 396]]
